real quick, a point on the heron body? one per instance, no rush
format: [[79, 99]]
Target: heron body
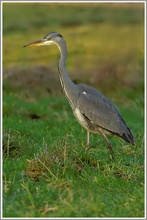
[[92, 109]]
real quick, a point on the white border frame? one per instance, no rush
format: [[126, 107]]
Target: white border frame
[[145, 90]]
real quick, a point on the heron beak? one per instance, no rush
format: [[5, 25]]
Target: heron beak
[[36, 43]]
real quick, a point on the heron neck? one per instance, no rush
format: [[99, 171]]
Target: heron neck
[[67, 85]]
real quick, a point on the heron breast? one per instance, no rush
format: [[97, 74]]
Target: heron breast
[[88, 125], [79, 116]]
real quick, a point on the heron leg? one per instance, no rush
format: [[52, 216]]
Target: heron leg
[[88, 138], [109, 144]]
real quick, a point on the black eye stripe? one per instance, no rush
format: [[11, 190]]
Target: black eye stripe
[[59, 35], [52, 35]]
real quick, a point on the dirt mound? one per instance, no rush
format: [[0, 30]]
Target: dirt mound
[[34, 79]]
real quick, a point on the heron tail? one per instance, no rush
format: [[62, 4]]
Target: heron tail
[[128, 136]]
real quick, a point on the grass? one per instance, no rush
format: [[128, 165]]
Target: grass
[[46, 164], [47, 169]]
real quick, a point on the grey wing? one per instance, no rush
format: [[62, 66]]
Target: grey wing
[[100, 111]]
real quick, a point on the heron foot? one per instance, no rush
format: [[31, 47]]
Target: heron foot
[[93, 146], [111, 150], [87, 146]]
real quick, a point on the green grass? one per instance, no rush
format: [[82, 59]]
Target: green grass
[[47, 169]]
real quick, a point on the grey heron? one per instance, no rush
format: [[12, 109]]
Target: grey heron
[[92, 109]]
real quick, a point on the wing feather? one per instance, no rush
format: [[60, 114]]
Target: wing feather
[[99, 110]]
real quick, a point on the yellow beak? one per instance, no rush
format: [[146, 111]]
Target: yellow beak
[[35, 43]]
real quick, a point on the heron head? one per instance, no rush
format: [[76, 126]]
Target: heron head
[[49, 39]]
